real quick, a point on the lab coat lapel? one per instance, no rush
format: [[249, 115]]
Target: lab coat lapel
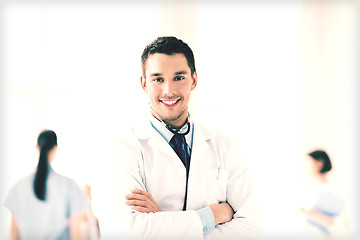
[[145, 131], [158, 142], [164, 173], [198, 165], [200, 146]]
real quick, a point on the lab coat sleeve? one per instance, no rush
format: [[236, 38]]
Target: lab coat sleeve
[[127, 172], [246, 223]]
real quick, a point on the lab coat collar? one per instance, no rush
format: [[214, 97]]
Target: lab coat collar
[[143, 129]]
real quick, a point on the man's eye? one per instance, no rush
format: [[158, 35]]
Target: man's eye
[[157, 79], [178, 78]]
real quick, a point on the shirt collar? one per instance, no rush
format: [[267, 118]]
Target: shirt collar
[[166, 134]]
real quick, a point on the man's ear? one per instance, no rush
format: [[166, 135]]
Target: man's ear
[[143, 83], [194, 83]]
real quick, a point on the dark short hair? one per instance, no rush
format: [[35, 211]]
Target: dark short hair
[[320, 155], [169, 46]]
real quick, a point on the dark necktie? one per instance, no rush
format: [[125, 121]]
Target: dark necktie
[[178, 143]]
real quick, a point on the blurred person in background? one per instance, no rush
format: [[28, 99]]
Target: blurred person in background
[[323, 204], [46, 205], [90, 224]]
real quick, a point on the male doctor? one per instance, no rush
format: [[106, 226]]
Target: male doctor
[[179, 179]]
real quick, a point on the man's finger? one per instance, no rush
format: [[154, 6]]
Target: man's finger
[[141, 209], [137, 196], [143, 200], [140, 203], [138, 191], [142, 192], [135, 203], [142, 195]]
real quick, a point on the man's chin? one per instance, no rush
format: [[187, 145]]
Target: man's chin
[[174, 120], [170, 119], [168, 115]]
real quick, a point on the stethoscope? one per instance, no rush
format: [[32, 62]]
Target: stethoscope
[[176, 131]]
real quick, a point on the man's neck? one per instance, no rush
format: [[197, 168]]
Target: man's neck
[[174, 124]]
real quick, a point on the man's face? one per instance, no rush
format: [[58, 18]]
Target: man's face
[[168, 83]]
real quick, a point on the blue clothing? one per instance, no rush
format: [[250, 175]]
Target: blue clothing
[[47, 219], [205, 214]]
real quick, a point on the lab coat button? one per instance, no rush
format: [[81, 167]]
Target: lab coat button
[[205, 229]]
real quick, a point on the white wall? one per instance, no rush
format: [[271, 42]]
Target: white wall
[[74, 67], [282, 76]]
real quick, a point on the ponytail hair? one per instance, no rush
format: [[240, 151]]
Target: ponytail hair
[[47, 140]]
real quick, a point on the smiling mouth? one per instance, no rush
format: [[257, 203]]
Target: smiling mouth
[[170, 103]]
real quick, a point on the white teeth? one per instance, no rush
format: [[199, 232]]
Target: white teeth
[[170, 102]]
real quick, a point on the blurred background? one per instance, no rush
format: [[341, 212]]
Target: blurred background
[[279, 76]]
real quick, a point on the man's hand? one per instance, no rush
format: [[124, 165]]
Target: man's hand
[[223, 212], [142, 201]]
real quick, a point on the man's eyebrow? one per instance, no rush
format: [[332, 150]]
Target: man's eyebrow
[[181, 73], [155, 74]]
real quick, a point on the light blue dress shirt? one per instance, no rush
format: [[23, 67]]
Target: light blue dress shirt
[[47, 219], [206, 215]]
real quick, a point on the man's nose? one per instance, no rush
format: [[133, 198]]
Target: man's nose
[[169, 88]]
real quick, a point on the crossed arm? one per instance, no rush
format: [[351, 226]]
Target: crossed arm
[[143, 201], [237, 218]]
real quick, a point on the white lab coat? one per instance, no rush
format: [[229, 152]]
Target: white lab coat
[[217, 174]]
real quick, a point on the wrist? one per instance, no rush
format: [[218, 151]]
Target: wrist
[[207, 219], [222, 212]]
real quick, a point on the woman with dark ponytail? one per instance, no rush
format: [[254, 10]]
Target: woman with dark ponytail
[[47, 143], [46, 205]]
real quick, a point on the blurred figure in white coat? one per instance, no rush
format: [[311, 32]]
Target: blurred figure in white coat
[[323, 203]]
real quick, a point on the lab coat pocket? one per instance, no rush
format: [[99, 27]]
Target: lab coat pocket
[[216, 185]]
